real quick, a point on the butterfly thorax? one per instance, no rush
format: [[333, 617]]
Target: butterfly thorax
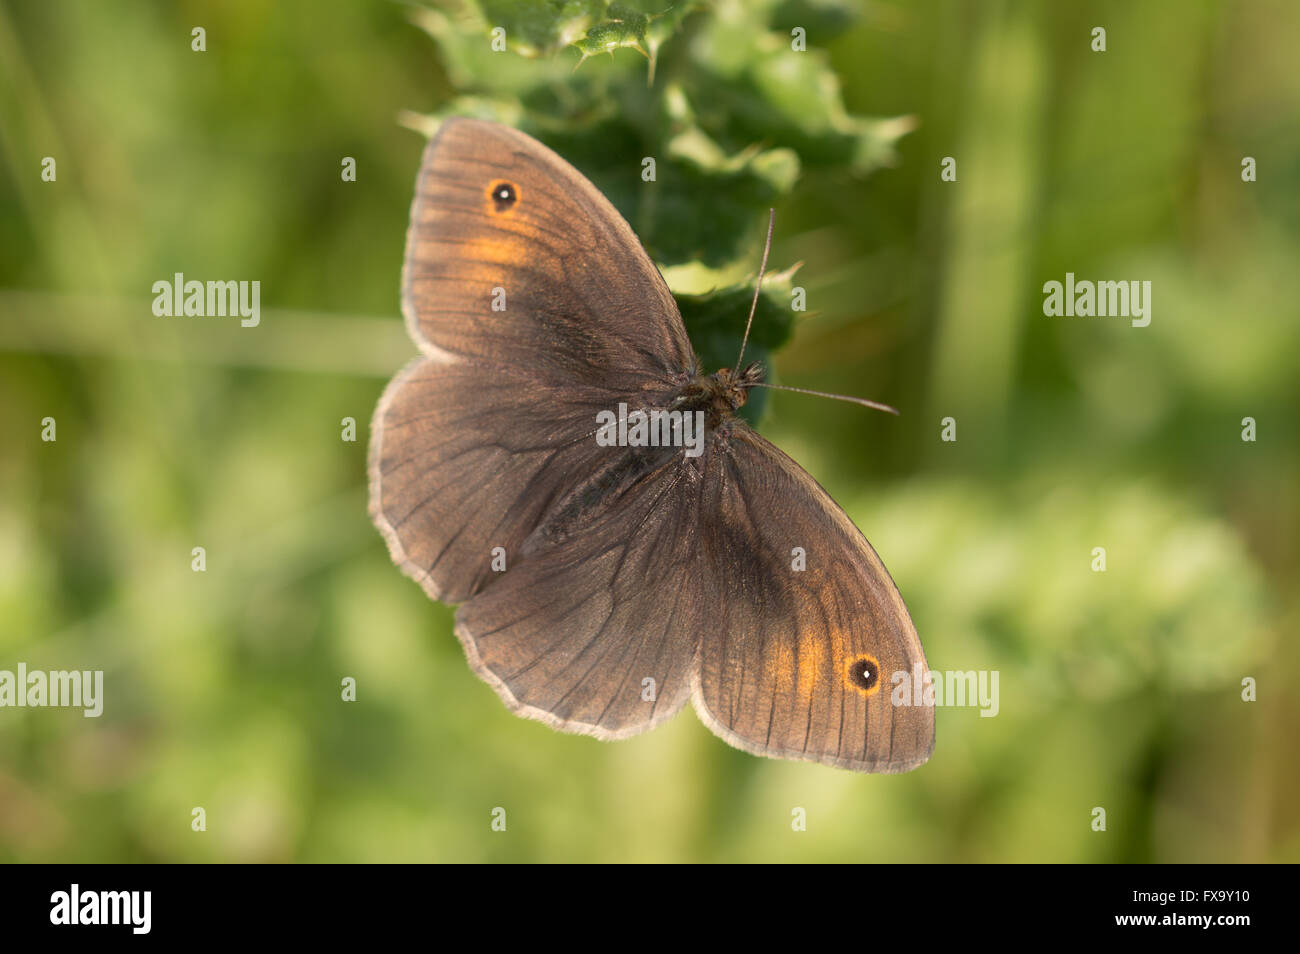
[[719, 395]]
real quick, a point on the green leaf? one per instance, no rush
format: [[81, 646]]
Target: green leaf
[[622, 27], [759, 88], [542, 27]]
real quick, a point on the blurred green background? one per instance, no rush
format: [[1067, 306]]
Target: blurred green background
[[1119, 689]]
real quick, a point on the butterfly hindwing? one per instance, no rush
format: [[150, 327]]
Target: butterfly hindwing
[[595, 630]]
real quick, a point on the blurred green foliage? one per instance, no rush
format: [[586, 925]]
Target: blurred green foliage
[[1119, 689]]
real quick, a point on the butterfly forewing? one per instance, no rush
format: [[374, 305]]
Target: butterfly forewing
[[534, 304], [513, 257]]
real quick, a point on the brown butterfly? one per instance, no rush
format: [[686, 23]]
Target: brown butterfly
[[601, 585]]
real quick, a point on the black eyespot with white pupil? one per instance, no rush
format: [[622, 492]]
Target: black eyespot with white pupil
[[864, 673], [504, 195]]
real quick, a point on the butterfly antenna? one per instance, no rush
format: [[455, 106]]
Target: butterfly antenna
[[753, 307], [758, 287], [838, 397]]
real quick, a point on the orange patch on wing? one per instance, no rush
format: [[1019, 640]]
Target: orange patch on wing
[[802, 668], [496, 250], [811, 661]]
